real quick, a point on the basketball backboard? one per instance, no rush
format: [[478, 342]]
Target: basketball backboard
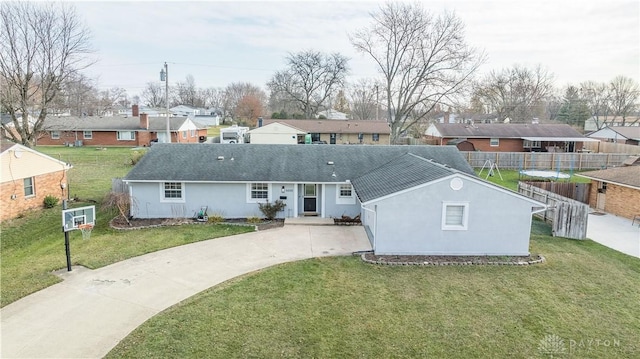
[[73, 217]]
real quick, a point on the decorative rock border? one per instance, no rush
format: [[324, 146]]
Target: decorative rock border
[[363, 256], [267, 225]]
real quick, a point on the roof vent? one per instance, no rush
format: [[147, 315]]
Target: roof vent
[[220, 158], [330, 163]]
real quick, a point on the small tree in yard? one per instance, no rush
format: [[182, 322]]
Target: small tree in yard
[[270, 210], [120, 201]]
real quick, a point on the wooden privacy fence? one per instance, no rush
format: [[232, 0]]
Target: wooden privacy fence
[[568, 217], [118, 186], [610, 147], [576, 191], [546, 160]]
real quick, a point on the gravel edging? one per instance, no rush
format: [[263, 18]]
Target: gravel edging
[[439, 262], [168, 223]]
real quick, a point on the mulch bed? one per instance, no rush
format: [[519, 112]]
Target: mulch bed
[[452, 260], [140, 223]]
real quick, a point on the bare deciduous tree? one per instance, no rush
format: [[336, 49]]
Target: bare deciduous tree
[[111, 98], [363, 96], [597, 97], [516, 93], [153, 94], [624, 93], [310, 79], [423, 58], [41, 46], [186, 93], [235, 92]]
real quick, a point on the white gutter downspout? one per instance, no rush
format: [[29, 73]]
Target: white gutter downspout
[[375, 219]]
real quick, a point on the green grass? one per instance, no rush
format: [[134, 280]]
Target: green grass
[[344, 308], [33, 246], [214, 131], [510, 178]]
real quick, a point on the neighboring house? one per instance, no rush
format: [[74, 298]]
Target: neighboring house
[[140, 130], [416, 206], [615, 190], [333, 115], [593, 124], [406, 195], [276, 133], [342, 132], [27, 177], [510, 137], [629, 135]]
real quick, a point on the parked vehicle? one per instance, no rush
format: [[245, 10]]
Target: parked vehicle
[[234, 134]]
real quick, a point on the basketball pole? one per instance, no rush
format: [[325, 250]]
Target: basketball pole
[[66, 240]]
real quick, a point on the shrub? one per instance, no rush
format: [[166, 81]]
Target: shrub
[[136, 156], [254, 219], [50, 201], [216, 218], [270, 210]]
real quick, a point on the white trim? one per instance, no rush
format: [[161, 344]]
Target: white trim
[[465, 216], [84, 135], [33, 187], [132, 134], [256, 200], [296, 200], [608, 181], [322, 199], [182, 198], [56, 136], [491, 139], [20, 147]]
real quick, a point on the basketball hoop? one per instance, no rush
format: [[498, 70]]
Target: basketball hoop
[[86, 230]]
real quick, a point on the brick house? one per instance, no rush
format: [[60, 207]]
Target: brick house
[[615, 190], [27, 177], [341, 131], [123, 131], [509, 137]]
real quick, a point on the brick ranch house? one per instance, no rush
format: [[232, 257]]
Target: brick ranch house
[[137, 130], [340, 131], [27, 177], [615, 190], [507, 137]]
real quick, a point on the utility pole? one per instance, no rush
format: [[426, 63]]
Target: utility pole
[[377, 104], [164, 76]]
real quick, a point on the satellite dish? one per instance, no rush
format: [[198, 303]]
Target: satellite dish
[[17, 153]]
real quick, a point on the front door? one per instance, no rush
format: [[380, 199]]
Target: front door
[[601, 196], [310, 198]]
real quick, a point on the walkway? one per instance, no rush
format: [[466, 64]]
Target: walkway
[[88, 313], [614, 232]]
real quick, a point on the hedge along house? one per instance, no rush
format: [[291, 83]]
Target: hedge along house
[[27, 177], [139, 130], [176, 180], [415, 206]]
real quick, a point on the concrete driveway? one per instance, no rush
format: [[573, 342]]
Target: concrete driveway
[[88, 313], [614, 232]]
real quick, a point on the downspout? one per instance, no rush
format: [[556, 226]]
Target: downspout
[[375, 218]]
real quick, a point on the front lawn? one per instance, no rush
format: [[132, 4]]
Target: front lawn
[[585, 295], [33, 246]]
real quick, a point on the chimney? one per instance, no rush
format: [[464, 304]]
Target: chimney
[[135, 111], [144, 120], [259, 121]]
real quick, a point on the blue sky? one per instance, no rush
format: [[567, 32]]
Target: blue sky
[[219, 42]]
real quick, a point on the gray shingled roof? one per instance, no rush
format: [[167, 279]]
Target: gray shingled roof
[[336, 126], [274, 163], [511, 130], [628, 175], [401, 173], [110, 123]]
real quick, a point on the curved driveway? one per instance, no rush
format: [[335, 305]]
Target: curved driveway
[[88, 313]]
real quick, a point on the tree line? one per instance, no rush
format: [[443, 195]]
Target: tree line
[[424, 62]]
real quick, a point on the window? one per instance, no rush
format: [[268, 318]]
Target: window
[[172, 191], [87, 135], [455, 216], [315, 137], [360, 137], [531, 144], [345, 190], [126, 135], [375, 137], [494, 142], [259, 192], [193, 133], [55, 135], [184, 134], [28, 187], [332, 138]]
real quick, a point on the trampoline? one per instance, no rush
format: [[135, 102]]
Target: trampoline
[[544, 174]]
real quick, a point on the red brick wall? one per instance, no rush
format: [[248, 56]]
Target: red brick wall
[[44, 185], [484, 144], [619, 200], [99, 138]]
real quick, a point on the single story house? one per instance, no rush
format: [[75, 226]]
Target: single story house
[[615, 190], [276, 133], [27, 177], [139, 130], [594, 123], [406, 195], [510, 137], [341, 131], [629, 135]]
